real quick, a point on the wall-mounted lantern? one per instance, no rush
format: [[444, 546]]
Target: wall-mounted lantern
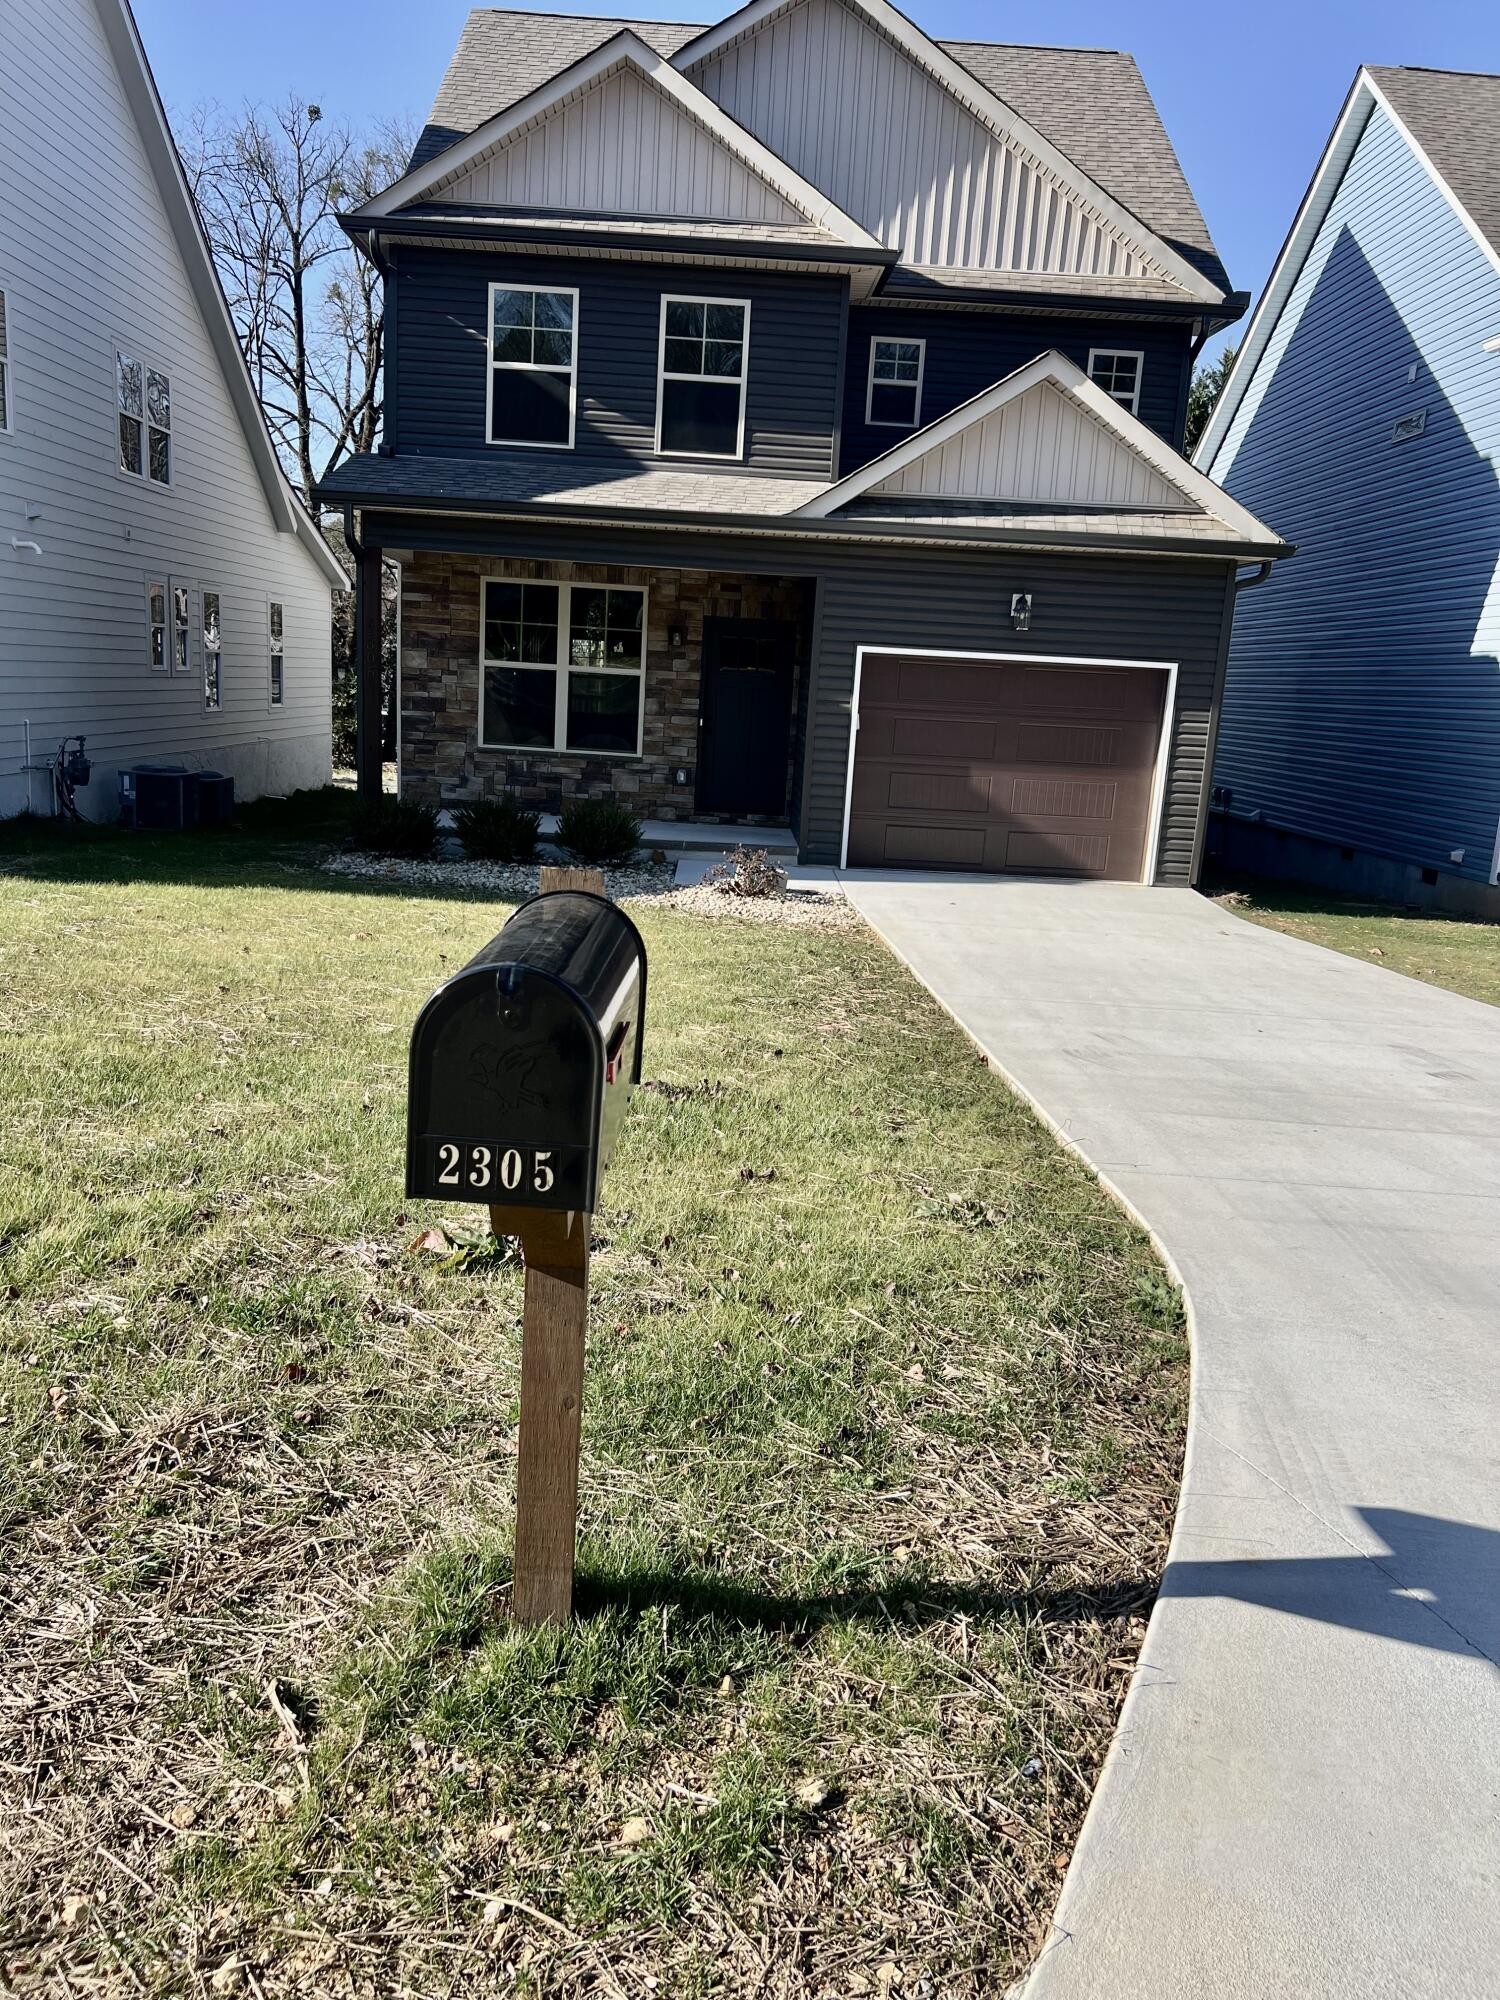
[[1020, 610]]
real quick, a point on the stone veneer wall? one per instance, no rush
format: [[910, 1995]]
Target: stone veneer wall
[[442, 761]]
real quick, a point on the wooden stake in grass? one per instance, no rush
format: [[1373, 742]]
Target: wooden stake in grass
[[555, 1245]]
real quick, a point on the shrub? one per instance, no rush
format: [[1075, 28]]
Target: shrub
[[748, 871], [396, 826], [497, 830], [603, 832]]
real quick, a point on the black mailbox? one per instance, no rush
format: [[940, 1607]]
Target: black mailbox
[[521, 1064]]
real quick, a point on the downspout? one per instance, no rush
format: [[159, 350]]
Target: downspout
[[1256, 577]]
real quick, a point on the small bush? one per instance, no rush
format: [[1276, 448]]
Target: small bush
[[603, 832], [399, 827], [497, 830], [748, 871]]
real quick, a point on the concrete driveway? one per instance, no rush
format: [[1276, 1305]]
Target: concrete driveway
[[1303, 1799]]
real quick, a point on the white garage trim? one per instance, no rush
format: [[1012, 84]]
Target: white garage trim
[[1163, 744]]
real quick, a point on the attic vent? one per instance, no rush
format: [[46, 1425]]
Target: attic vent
[[1410, 426]]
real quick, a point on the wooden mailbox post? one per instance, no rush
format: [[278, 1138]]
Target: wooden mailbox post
[[521, 1066]]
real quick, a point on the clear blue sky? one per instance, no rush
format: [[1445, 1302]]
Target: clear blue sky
[[1248, 94]]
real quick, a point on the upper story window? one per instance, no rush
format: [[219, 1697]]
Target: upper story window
[[533, 367], [278, 655], [700, 391], [7, 414], [144, 396], [1118, 370], [562, 667], [894, 397]]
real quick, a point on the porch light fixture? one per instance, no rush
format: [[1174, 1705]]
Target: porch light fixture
[[1020, 610], [676, 638]]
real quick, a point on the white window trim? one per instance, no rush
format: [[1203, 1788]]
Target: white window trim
[[1163, 741], [206, 591], [148, 367], [7, 359], [527, 367], [149, 583], [562, 667], [884, 423], [271, 701], [702, 299], [1135, 354]]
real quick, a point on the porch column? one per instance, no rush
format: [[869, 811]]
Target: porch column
[[368, 761]]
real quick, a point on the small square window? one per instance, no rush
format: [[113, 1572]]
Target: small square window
[[1118, 373]]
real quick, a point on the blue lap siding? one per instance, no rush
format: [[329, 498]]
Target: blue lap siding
[[1362, 704]]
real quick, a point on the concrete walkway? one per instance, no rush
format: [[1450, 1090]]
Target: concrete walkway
[[1303, 1799]]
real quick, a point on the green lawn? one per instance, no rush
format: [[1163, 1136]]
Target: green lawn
[[885, 1405], [1445, 951]]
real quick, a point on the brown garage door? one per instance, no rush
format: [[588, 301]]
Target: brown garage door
[[1031, 769]]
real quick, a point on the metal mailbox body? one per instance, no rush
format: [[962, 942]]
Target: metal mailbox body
[[521, 1064]]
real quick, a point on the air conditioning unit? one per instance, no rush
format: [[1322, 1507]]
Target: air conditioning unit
[[215, 798], [158, 796]]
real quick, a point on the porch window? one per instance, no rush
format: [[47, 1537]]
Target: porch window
[[563, 667], [894, 397], [533, 367], [144, 412], [700, 391], [213, 652], [1117, 370]]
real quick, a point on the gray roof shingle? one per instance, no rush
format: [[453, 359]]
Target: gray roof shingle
[[1454, 116], [1091, 103]]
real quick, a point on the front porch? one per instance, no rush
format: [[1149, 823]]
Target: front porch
[[682, 692]]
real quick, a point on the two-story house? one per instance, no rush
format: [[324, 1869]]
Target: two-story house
[[783, 424], [163, 592], [1360, 746]]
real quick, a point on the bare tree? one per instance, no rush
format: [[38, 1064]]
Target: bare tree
[[309, 309]]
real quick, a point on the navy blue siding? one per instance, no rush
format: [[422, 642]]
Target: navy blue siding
[[1363, 699], [442, 375], [967, 351], [1113, 607]]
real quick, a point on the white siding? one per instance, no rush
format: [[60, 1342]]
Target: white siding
[[1043, 448], [900, 154], [88, 260], [622, 146]]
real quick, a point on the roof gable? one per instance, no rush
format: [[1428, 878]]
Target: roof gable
[[620, 130], [922, 152], [1045, 437]]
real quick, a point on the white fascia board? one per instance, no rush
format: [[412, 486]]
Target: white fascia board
[[1070, 378], [141, 94], [622, 49], [1294, 253], [991, 110]]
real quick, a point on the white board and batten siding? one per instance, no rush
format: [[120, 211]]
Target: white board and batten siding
[[89, 265], [901, 154], [621, 146], [1041, 448]]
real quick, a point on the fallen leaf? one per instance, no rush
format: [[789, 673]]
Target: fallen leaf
[[184, 1815], [726, 1688], [73, 1908], [229, 1976], [887, 1977], [433, 1241], [812, 1794], [633, 1832]]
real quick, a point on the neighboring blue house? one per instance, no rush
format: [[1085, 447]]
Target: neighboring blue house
[[1359, 741]]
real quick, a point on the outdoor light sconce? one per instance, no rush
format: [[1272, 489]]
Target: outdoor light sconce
[[676, 638], [1020, 610]]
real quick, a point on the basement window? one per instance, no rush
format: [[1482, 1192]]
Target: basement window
[[894, 396], [700, 387], [562, 667], [1118, 372], [533, 367]]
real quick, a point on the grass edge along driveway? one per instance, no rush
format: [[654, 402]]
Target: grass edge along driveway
[[885, 1404]]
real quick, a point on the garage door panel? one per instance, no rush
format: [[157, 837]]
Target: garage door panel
[[1038, 770]]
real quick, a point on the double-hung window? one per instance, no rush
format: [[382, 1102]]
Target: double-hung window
[[278, 654], [213, 652], [894, 397], [700, 397], [7, 414], [533, 366], [144, 399], [1117, 370], [156, 624], [562, 667], [182, 617]]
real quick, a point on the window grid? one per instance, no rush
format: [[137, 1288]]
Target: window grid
[[1118, 371], [558, 659], [703, 341], [213, 652], [143, 401], [278, 655], [893, 397], [533, 332]]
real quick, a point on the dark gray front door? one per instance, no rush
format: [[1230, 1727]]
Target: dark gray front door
[[745, 715]]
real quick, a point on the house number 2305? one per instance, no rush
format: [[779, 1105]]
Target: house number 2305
[[481, 1167]]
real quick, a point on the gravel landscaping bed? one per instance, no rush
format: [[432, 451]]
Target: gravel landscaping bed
[[651, 883]]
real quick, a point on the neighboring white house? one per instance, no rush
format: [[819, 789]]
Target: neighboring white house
[[162, 590]]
